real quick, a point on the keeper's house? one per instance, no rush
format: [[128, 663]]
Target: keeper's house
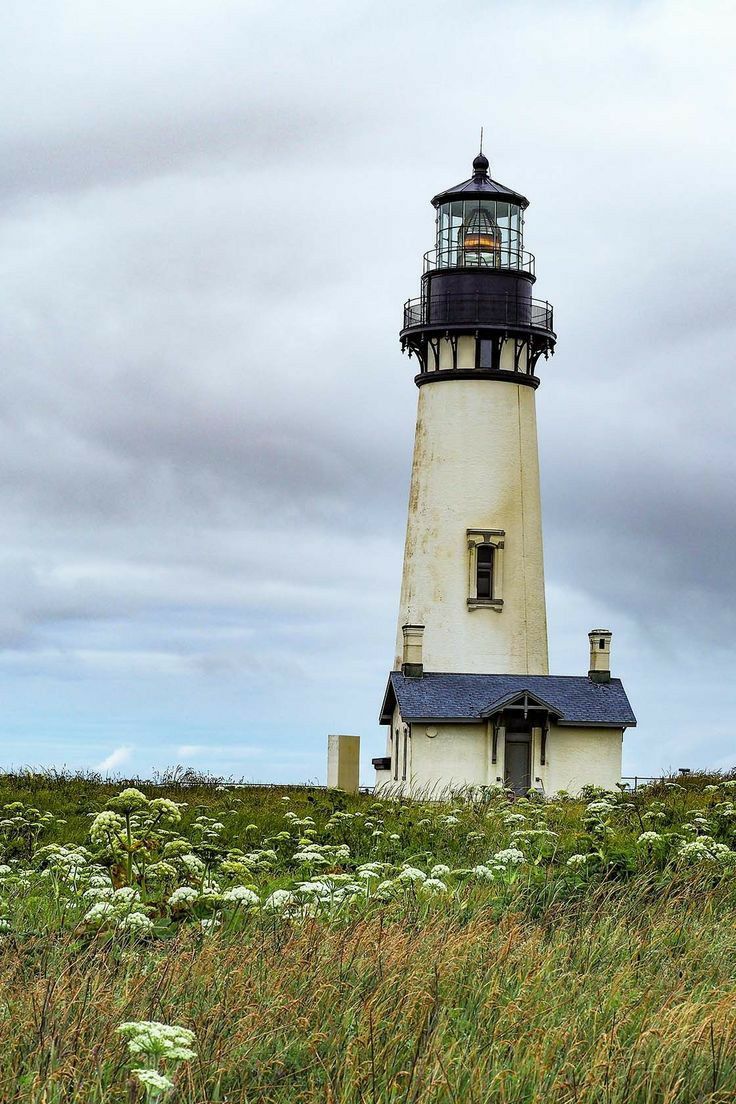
[[543, 732]]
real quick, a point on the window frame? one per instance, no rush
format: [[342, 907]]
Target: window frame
[[495, 539]]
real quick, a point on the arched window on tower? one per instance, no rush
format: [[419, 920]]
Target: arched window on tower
[[485, 568], [484, 571]]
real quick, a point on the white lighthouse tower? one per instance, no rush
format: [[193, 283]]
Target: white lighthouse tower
[[473, 567], [470, 702]]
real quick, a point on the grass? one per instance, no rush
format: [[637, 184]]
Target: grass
[[609, 980]]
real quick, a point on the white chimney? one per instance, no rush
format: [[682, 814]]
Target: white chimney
[[412, 665], [600, 655]]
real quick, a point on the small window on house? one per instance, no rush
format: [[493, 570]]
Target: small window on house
[[484, 571], [602, 645]]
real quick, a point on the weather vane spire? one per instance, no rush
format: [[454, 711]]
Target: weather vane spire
[[481, 139]]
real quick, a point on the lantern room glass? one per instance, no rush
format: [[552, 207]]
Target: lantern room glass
[[484, 233]]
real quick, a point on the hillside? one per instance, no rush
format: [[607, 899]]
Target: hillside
[[321, 947]]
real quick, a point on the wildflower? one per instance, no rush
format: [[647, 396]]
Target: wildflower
[[135, 922], [127, 895], [129, 801], [96, 893], [578, 860], [514, 818], [439, 871], [193, 865], [152, 1080], [395, 837], [434, 885], [278, 900], [160, 871], [158, 1040], [183, 897], [509, 856], [483, 872], [647, 839], [601, 806], [166, 810], [105, 825], [4, 925], [241, 895], [209, 924], [99, 913], [411, 874]]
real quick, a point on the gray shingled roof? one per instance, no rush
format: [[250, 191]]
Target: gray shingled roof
[[576, 700]]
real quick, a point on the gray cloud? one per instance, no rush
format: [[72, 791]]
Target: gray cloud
[[212, 216]]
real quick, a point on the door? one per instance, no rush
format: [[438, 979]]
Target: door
[[518, 772]]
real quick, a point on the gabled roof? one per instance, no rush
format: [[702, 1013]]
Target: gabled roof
[[573, 699]]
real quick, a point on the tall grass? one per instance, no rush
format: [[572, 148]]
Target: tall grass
[[619, 988]]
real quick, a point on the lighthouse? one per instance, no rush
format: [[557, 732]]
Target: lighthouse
[[473, 566], [470, 701]]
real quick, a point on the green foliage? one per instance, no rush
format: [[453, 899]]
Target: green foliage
[[329, 947]]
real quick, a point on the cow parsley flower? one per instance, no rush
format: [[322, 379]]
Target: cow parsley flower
[[99, 913], [278, 900], [509, 856], [105, 825], [136, 922], [152, 1080], [434, 885], [241, 895], [166, 810], [129, 801], [411, 874], [158, 1040], [183, 897], [439, 871], [648, 839], [483, 872]]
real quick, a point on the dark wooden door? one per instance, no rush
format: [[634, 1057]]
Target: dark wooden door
[[518, 765]]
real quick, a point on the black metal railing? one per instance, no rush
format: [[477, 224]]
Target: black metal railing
[[453, 309], [454, 256]]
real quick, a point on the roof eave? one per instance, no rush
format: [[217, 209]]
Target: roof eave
[[388, 704]]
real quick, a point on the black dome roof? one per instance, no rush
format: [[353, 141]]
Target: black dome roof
[[481, 185]]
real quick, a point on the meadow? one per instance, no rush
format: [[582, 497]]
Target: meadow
[[194, 941]]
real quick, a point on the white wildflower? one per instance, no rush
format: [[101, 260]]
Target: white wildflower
[[278, 900], [509, 856], [99, 913], [649, 838], [183, 897], [136, 922], [152, 1080], [411, 874], [241, 895], [439, 871], [158, 1040], [434, 885]]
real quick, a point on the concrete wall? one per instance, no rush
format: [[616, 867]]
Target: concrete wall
[[343, 763], [475, 467]]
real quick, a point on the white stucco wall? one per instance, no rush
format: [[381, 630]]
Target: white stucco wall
[[582, 756], [475, 467], [461, 755]]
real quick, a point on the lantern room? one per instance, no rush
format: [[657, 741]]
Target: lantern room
[[480, 224]]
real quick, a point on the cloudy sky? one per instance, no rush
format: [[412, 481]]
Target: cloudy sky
[[212, 211]]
